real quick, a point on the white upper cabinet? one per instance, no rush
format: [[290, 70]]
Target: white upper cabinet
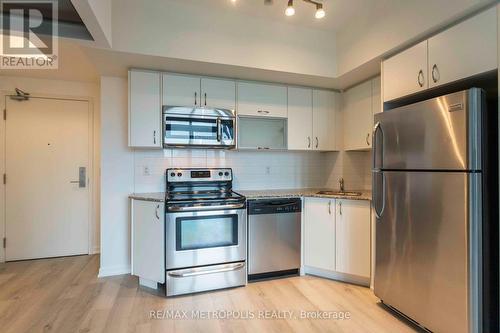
[[464, 50], [358, 117], [265, 100], [406, 72], [144, 109], [148, 241], [352, 229], [319, 224], [218, 93], [300, 118], [325, 116], [181, 90]]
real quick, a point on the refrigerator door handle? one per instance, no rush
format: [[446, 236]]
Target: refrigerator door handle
[[375, 193], [376, 128]]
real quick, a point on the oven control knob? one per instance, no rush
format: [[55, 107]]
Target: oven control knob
[[220, 173], [172, 174], [179, 174], [226, 173]]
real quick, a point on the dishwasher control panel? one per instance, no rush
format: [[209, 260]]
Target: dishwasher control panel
[[274, 206]]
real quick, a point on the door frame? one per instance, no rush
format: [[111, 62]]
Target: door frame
[[4, 94]]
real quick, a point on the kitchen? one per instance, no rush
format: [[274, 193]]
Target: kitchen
[[246, 193]]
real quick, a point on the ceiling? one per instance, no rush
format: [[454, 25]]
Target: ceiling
[[338, 12]]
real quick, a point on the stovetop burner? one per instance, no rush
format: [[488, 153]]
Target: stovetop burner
[[199, 187]]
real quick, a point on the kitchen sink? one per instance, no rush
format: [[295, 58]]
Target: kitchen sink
[[345, 193]]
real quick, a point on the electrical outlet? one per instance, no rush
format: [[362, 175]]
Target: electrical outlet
[[146, 171]]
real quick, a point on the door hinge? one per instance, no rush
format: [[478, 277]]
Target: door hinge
[[4, 178], [5, 242]]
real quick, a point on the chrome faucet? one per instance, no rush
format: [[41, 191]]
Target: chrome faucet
[[341, 183]]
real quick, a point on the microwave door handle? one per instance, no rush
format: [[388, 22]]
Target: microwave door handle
[[219, 129]]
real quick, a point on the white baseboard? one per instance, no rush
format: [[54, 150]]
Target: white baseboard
[[95, 250], [112, 271]]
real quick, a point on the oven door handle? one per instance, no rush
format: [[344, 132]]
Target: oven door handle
[[200, 208], [203, 271]]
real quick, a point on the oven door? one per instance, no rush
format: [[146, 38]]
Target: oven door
[[185, 130], [199, 238]]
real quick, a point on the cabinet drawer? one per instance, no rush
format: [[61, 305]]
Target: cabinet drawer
[[263, 100]]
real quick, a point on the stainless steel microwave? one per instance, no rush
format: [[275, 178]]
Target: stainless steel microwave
[[199, 127]]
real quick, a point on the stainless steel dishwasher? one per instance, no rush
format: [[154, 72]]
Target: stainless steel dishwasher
[[273, 237]]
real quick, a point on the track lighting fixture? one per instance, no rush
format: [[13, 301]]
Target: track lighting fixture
[[290, 11]]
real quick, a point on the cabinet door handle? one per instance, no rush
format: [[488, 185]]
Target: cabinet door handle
[[340, 207], [368, 139], [154, 137], [435, 73], [309, 142], [156, 212], [317, 142], [420, 78], [263, 111], [195, 98], [205, 99], [330, 207]]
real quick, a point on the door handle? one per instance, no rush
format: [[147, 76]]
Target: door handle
[[82, 178], [420, 78], [154, 137], [203, 271], [156, 212], [263, 111], [317, 142], [330, 207], [205, 99], [435, 73], [195, 98], [309, 142], [219, 130], [374, 194], [376, 128], [340, 207], [368, 139]]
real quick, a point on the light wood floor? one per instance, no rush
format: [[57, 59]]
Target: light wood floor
[[65, 295]]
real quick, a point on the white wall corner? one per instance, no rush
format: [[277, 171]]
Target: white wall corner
[[96, 15]]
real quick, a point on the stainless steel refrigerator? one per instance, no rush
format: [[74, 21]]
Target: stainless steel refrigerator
[[434, 188]]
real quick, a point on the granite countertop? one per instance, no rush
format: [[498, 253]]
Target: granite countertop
[[155, 196], [260, 194], [304, 192]]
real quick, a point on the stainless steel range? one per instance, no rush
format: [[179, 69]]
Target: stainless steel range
[[205, 226]]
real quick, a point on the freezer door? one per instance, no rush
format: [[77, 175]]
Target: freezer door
[[438, 134], [425, 235]]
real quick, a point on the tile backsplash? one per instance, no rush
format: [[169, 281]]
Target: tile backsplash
[[257, 170]]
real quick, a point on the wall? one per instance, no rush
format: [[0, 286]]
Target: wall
[[202, 33], [252, 170], [117, 178], [62, 89], [383, 31]]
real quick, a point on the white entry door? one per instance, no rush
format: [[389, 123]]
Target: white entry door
[[47, 209]]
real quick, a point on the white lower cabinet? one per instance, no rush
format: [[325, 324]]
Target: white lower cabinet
[[337, 239], [319, 250], [148, 242], [352, 230]]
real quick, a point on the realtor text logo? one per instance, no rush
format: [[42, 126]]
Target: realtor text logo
[[29, 34]]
